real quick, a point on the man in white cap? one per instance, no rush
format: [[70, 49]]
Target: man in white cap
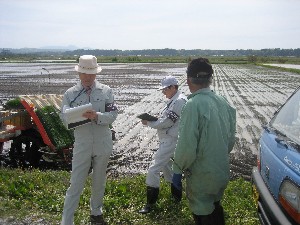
[[93, 141], [167, 130]]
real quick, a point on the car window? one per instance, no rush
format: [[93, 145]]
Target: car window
[[287, 120]]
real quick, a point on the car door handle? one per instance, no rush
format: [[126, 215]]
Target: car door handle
[[281, 142]]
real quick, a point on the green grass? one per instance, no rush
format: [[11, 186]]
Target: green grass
[[40, 195]]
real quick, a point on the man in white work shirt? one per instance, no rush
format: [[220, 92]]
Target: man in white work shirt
[[93, 141], [167, 130]]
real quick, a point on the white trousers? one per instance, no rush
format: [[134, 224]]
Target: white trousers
[[85, 155], [162, 163]]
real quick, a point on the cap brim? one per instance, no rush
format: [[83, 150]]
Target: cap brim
[[162, 87], [87, 71]]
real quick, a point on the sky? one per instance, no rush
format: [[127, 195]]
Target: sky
[[150, 24]]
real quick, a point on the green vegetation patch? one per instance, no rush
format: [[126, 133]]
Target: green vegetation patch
[[40, 195], [13, 104], [59, 135]]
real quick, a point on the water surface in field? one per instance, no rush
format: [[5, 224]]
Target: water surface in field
[[290, 66]]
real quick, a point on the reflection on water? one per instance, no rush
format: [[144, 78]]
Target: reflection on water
[[290, 66]]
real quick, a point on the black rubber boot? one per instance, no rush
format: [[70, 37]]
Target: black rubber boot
[[176, 193], [197, 219], [152, 196], [215, 218], [204, 220], [97, 220], [218, 214]]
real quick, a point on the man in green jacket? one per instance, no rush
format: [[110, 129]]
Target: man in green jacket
[[206, 136]]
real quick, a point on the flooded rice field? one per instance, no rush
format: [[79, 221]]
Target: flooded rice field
[[290, 66], [256, 92]]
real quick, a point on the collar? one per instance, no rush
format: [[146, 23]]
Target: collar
[[200, 91], [175, 96], [96, 85]]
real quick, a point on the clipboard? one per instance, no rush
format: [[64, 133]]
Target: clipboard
[[148, 117], [73, 116]]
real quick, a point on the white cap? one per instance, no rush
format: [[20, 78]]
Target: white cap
[[168, 81]]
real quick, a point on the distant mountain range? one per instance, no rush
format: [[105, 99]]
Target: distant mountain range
[[69, 47]]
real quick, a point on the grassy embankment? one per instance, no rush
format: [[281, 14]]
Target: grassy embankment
[[40, 195]]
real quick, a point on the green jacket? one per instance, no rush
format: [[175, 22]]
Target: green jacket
[[206, 136]]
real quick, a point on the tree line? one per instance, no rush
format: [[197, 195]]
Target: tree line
[[155, 52]]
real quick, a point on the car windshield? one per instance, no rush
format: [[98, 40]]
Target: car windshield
[[287, 120]]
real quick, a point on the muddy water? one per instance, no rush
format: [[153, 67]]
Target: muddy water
[[256, 93]]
